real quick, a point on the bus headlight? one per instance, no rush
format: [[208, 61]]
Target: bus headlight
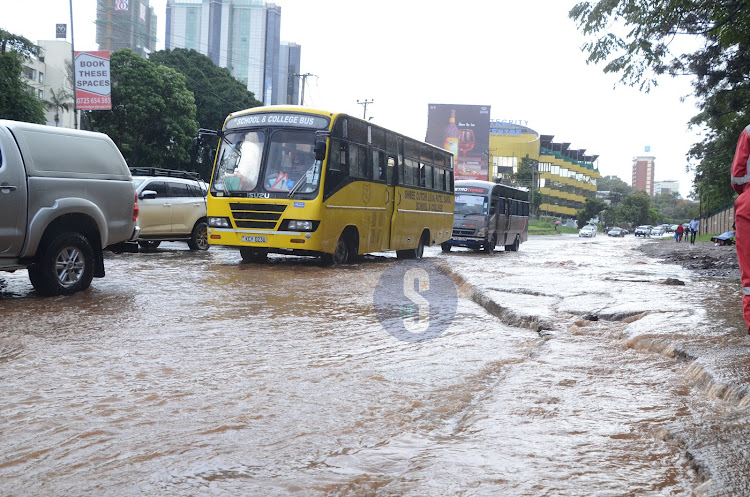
[[219, 222], [301, 225], [482, 232]]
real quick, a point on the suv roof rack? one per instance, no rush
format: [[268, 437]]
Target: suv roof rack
[[158, 171]]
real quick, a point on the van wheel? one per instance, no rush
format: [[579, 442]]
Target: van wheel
[[199, 237], [148, 244], [490, 246], [252, 254], [65, 266], [514, 246]]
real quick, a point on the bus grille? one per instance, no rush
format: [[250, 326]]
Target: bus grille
[[463, 231], [258, 216]]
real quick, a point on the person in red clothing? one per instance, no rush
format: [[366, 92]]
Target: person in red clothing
[[678, 232], [741, 185]]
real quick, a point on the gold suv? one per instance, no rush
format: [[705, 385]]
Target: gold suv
[[172, 207]]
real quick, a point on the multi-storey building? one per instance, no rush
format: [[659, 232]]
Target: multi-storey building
[[242, 36], [48, 76], [643, 174], [126, 24], [668, 186], [565, 177]]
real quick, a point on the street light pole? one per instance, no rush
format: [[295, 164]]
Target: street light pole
[[364, 103]]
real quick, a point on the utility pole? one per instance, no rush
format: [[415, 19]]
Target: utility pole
[[304, 81], [364, 103], [73, 54]]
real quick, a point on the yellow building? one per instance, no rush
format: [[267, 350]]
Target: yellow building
[[565, 177]]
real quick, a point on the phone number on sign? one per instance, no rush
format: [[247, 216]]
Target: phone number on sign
[[93, 100]]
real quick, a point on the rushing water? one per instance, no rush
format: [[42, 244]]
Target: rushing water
[[187, 373]]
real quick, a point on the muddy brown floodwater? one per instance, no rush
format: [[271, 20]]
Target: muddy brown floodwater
[[567, 368]]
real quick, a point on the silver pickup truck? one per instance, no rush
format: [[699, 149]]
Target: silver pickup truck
[[65, 196]]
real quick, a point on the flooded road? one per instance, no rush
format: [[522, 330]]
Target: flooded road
[[186, 373]]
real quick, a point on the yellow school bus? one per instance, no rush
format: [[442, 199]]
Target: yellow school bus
[[294, 180]]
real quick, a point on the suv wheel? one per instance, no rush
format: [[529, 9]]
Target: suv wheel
[[199, 237], [66, 266]]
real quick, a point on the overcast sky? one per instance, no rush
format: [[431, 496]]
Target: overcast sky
[[521, 58]]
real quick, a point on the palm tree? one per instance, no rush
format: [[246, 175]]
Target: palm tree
[[60, 100]]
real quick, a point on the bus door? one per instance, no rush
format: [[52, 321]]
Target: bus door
[[504, 221], [390, 200]]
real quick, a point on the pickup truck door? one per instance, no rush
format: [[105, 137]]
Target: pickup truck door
[[13, 194]]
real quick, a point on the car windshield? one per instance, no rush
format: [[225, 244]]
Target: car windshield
[[471, 205]]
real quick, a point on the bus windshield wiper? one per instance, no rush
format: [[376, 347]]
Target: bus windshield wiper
[[301, 181]]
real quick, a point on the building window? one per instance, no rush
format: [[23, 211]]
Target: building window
[[41, 94], [41, 77], [29, 73]]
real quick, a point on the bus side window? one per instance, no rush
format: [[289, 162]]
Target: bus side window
[[428, 176], [358, 160], [436, 179], [390, 170], [378, 165], [411, 173]]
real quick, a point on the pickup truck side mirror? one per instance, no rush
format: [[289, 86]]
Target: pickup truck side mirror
[[320, 150]]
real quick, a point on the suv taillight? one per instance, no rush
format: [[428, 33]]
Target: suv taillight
[[135, 207]]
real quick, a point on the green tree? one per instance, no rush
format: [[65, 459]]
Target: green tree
[[18, 101], [152, 119], [636, 209], [639, 40], [591, 209], [613, 184], [59, 100], [217, 94], [526, 175]]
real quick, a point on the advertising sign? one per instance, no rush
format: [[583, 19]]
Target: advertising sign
[[61, 31], [93, 90], [465, 131]]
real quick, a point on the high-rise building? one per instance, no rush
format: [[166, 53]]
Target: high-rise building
[[126, 24], [242, 36], [643, 174]]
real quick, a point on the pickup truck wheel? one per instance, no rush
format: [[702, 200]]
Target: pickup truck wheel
[[65, 266], [199, 237], [148, 244]]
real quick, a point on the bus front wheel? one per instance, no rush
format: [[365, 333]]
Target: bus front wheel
[[446, 247], [490, 246]]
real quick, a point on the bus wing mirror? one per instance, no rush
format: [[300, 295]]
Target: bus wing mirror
[[320, 150]]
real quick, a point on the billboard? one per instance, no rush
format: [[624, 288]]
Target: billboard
[[93, 91], [465, 131]]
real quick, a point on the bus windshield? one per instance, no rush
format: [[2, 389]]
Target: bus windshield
[[253, 161], [471, 205]]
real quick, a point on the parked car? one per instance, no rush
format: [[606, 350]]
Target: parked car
[[657, 231], [587, 231], [668, 228], [643, 230], [172, 207], [616, 232], [65, 196]]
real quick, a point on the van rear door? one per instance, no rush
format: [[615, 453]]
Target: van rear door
[[13, 196]]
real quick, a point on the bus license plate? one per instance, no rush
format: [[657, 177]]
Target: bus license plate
[[254, 239]]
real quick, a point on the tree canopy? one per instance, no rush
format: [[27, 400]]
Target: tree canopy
[[217, 93], [708, 41], [18, 101], [152, 119]]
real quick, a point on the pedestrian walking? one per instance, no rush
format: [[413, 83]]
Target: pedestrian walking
[[694, 227], [678, 232], [740, 182]]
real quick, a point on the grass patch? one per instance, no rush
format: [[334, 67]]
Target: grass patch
[[539, 227]]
